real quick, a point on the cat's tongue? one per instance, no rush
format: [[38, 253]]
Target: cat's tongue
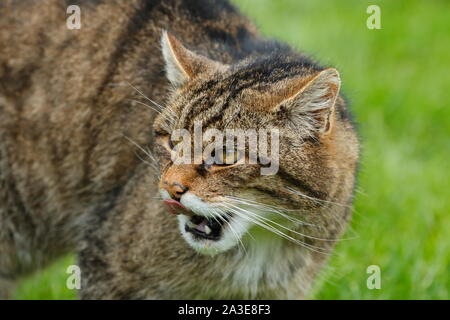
[[175, 207]]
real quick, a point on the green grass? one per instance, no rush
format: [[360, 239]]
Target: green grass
[[398, 81], [47, 284]]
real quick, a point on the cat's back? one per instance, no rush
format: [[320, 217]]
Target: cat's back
[[43, 54], [39, 48]]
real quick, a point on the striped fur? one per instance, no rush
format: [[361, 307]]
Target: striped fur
[[74, 127]]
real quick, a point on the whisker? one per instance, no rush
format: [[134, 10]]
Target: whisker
[[224, 212], [272, 209], [152, 164], [144, 104], [320, 201], [282, 234], [268, 208], [170, 118], [232, 230], [298, 193], [286, 228], [361, 192], [238, 211], [165, 116], [147, 98]]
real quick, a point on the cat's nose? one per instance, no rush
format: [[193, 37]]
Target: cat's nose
[[177, 180], [176, 190]]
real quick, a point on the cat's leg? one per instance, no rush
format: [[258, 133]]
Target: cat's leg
[[8, 213], [15, 243], [8, 265], [6, 288], [9, 262]]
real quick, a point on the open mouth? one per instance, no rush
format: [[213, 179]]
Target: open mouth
[[206, 227], [201, 227]]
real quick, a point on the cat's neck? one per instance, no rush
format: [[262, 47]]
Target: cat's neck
[[265, 262]]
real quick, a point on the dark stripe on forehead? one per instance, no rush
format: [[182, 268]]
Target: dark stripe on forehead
[[265, 71], [234, 91], [197, 98], [308, 190]]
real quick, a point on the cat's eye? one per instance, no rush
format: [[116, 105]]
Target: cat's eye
[[227, 157], [166, 146], [166, 142], [170, 143]]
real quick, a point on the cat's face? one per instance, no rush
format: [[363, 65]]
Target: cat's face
[[221, 191]]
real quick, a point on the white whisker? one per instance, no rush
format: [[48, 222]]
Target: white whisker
[[152, 101], [298, 193], [168, 117], [284, 227], [232, 230], [144, 104], [255, 219], [272, 209], [153, 163]]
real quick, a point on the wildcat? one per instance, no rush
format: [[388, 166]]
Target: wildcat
[[86, 118]]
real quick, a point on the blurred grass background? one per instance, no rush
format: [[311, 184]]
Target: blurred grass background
[[398, 81]]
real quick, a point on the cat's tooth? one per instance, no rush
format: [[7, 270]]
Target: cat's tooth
[[207, 230], [190, 224]]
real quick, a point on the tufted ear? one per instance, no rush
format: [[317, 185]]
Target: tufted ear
[[183, 64], [311, 104]]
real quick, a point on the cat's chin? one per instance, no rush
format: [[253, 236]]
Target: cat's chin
[[211, 236]]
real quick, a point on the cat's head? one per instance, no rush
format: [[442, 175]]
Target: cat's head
[[221, 191]]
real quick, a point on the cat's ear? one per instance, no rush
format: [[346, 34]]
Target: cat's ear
[[311, 104], [181, 63]]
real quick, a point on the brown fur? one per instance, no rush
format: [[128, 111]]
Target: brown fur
[[70, 180]]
